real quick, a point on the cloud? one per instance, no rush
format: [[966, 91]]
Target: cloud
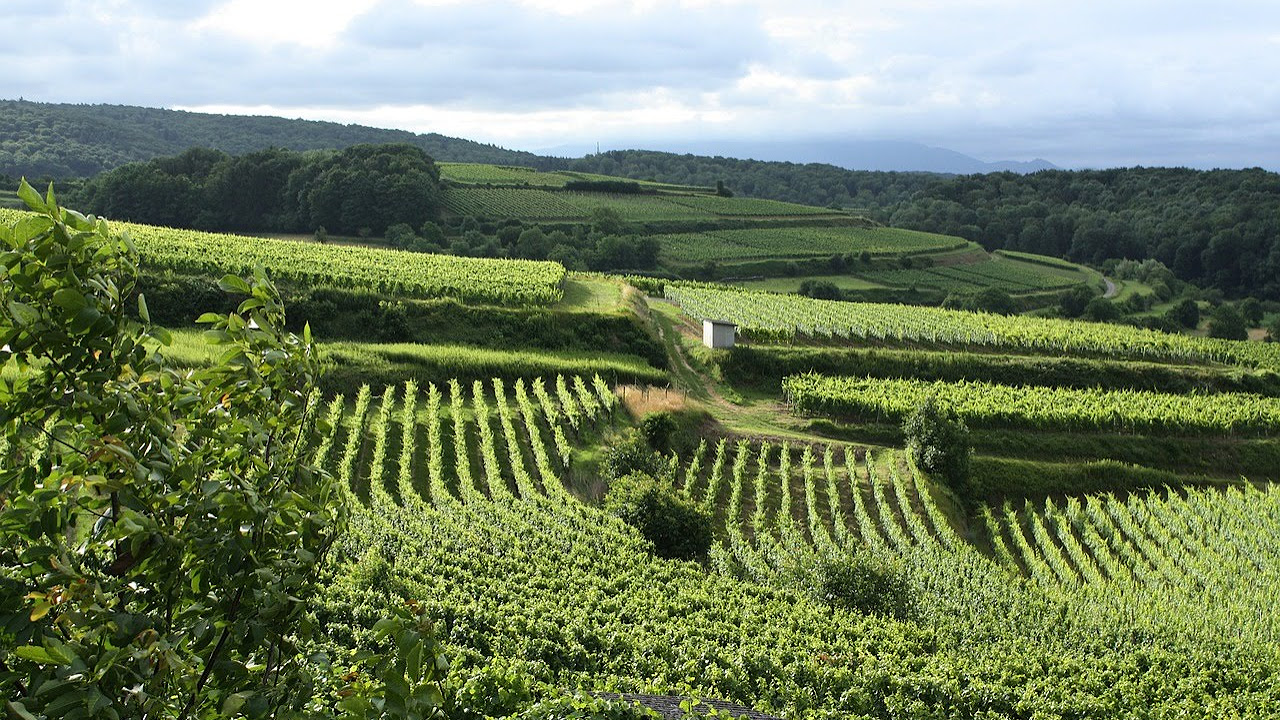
[[1138, 81]]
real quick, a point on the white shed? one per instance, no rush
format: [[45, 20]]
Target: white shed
[[718, 333]]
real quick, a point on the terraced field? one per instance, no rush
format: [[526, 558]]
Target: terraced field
[[730, 245], [463, 499]]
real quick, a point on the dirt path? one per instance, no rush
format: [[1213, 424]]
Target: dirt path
[[1112, 288]]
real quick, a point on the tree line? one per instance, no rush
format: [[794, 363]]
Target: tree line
[[362, 190]]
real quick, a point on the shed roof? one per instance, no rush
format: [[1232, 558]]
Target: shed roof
[[713, 321]]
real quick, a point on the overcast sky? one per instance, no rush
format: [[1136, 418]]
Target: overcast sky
[[1081, 83]]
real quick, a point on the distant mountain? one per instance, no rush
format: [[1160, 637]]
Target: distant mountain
[[63, 140], [848, 154]]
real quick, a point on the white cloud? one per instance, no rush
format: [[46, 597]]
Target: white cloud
[[1144, 81], [309, 23]]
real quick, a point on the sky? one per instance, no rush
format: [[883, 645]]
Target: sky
[[1080, 83]]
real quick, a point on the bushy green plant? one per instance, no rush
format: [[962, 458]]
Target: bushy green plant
[[629, 454], [677, 527], [1228, 323], [938, 442], [1186, 313], [867, 582], [658, 429]]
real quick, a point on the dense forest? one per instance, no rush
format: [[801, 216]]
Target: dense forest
[[41, 140], [363, 189]]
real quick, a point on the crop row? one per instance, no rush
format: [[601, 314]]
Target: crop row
[[1168, 549], [983, 404], [531, 587], [723, 245], [786, 316], [513, 282]]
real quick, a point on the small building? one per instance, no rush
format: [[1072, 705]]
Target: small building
[[718, 333]]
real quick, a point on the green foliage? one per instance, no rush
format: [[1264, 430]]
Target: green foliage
[[161, 531], [1101, 309], [631, 453], [992, 300], [864, 581], [786, 317], [1273, 330], [1008, 477], [938, 442], [1252, 311], [658, 429], [1227, 323], [1073, 301], [360, 269], [363, 189], [1040, 408], [765, 366], [1186, 313], [821, 289], [677, 527], [405, 678]]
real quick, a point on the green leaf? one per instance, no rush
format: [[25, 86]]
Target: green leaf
[[23, 314], [69, 300], [17, 710], [142, 309], [84, 319], [234, 284], [43, 656], [31, 197]]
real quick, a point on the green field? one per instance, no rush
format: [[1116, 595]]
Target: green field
[[783, 316], [1113, 550], [984, 404], [571, 596], [730, 245], [374, 269]]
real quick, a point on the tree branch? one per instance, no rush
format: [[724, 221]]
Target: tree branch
[[213, 657]]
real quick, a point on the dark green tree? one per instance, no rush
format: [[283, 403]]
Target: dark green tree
[[938, 443], [677, 527], [1227, 323], [1186, 313]]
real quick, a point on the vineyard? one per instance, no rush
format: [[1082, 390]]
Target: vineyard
[[729, 245], [544, 202], [1167, 550], [766, 315], [1080, 569], [513, 282], [463, 503], [983, 404]]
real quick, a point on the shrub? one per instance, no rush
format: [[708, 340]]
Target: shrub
[[1227, 323], [632, 454], [658, 429], [939, 444], [1185, 313], [1101, 310], [866, 582], [677, 527]]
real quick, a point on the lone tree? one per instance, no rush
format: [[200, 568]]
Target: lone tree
[[938, 442]]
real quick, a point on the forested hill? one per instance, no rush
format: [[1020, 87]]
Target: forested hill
[[63, 140]]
